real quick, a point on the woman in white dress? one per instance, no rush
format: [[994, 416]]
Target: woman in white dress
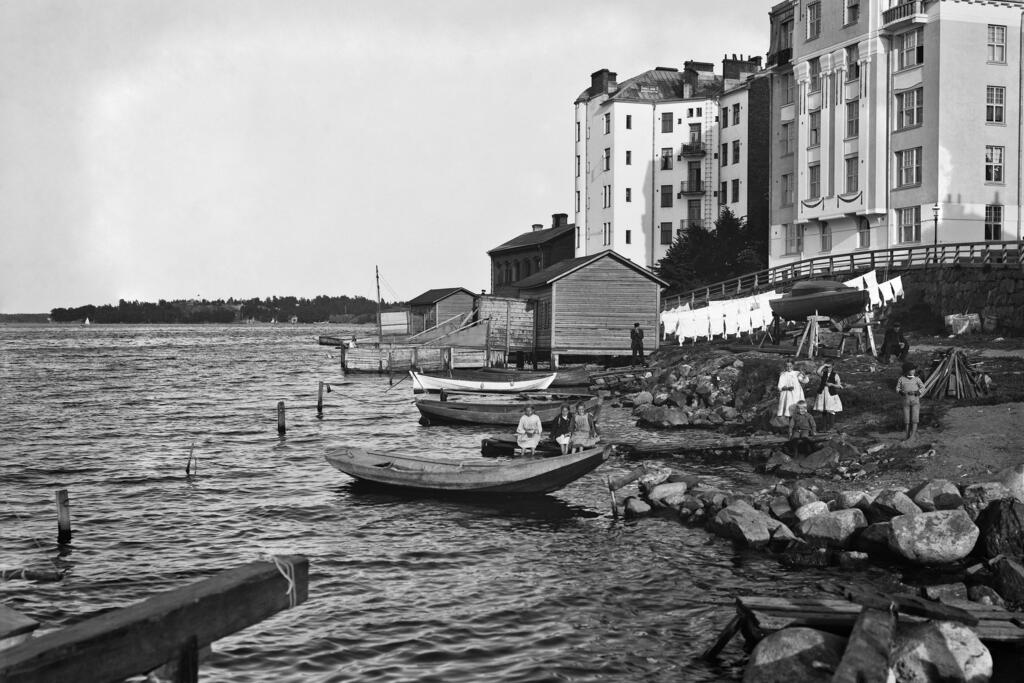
[[791, 390], [828, 401], [529, 431]]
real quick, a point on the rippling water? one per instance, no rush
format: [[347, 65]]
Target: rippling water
[[402, 587]]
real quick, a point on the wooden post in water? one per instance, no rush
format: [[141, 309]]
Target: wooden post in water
[[63, 517], [320, 401], [391, 379], [341, 349], [280, 418]]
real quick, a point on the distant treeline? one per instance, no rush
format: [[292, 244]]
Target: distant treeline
[[323, 308]]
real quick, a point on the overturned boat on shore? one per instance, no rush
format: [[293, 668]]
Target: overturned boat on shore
[[819, 297]]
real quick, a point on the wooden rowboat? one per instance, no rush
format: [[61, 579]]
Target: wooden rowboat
[[819, 297], [505, 412], [505, 445], [426, 382], [569, 376], [522, 475]]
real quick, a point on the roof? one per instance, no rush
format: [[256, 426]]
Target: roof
[[559, 270], [432, 296], [534, 237], [661, 84]]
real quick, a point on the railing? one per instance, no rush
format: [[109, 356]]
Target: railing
[[692, 149], [780, 57], [902, 11], [691, 187], [898, 259]]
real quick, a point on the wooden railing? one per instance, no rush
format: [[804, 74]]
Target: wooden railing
[[902, 11], [897, 259]]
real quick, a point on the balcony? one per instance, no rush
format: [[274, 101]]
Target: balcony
[[692, 149], [781, 57], [691, 187], [694, 222], [904, 15]]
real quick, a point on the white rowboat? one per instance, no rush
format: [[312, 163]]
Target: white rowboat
[[421, 382]]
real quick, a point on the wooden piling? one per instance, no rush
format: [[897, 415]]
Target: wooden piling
[[391, 377], [341, 354], [63, 517], [280, 418], [320, 401]]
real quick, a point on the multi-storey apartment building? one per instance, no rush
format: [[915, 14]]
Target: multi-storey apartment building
[[647, 156], [893, 124]]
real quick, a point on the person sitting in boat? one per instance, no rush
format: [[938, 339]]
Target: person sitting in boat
[[791, 390], [561, 429], [584, 429], [894, 344], [528, 432]]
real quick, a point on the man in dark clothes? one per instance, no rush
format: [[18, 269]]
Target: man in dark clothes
[[636, 338], [894, 344]]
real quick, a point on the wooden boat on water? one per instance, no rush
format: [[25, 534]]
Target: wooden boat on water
[[504, 412], [505, 445], [819, 297], [328, 340], [570, 376], [491, 383], [522, 475]]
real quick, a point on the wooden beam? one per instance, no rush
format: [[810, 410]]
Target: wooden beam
[[14, 626], [866, 659], [144, 636]]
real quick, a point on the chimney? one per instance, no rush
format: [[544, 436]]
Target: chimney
[[602, 82], [559, 220], [538, 226]]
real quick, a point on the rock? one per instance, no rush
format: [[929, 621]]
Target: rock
[[678, 398], [1002, 529], [743, 523], [948, 501], [924, 494], [852, 559], [691, 503], [933, 537], [812, 509], [801, 496], [978, 496], [781, 489], [780, 509], [985, 595], [847, 500], [944, 592], [832, 529], [775, 460], [1009, 579], [1013, 480], [658, 495], [782, 537], [653, 477], [891, 503], [643, 398], [795, 654], [727, 413], [824, 458], [660, 398], [634, 507], [939, 651], [804, 559]]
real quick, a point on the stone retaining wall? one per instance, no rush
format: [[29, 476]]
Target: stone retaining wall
[[989, 291]]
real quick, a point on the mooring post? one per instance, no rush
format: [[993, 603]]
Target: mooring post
[[320, 401], [342, 355], [63, 517], [391, 379], [280, 418]]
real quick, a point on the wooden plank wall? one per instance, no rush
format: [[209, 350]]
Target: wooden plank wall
[[428, 358], [459, 302], [519, 321], [595, 308]]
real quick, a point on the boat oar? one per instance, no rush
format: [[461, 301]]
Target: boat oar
[[188, 464]]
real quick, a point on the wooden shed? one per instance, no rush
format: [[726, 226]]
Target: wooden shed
[[586, 306], [438, 305]]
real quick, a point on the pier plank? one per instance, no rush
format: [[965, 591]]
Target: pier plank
[[14, 624]]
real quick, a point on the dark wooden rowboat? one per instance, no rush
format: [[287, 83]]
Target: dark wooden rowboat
[[522, 475], [505, 445], [328, 340], [570, 376], [819, 297], [506, 412]]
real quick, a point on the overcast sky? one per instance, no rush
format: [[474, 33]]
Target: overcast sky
[[169, 149]]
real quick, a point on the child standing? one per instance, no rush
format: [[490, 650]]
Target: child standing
[[801, 427], [910, 386]]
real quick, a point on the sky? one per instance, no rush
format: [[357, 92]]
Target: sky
[[179, 149]]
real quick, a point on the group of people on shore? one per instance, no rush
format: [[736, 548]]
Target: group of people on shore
[[572, 431]]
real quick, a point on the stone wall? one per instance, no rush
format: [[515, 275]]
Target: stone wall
[[989, 291]]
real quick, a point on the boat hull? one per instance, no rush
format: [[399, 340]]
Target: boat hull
[[835, 304], [522, 475], [423, 382], [576, 376], [496, 413], [505, 445]]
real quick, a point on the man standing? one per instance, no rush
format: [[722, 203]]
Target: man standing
[[636, 338], [894, 344]]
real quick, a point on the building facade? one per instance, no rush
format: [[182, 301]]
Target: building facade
[[893, 124], [530, 252], [647, 156]]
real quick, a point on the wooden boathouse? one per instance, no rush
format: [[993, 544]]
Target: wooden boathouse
[[438, 305], [586, 306]]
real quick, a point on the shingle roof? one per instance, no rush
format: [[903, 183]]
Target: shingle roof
[[432, 296], [562, 268], [534, 237]]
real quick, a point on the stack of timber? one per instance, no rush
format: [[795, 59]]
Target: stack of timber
[[952, 375]]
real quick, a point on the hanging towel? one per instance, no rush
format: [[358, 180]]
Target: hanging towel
[[885, 292], [897, 287], [871, 285]]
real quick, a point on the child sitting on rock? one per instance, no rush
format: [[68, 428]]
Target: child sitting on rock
[[801, 428]]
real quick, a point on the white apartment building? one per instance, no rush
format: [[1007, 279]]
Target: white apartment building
[[646, 157], [893, 124]]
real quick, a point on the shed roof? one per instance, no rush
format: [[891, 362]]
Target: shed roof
[[432, 296], [559, 270], [534, 238]]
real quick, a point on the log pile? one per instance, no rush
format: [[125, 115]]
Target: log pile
[[953, 375]]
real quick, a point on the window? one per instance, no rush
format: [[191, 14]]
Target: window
[[995, 98], [629, 157], [666, 196], [607, 233], [666, 158], [629, 194], [666, 122], [693, 211], [852, 173], [578, 233], [908, 167], [787, 189], [786, 34], [689, 113], [853, 119], [996, 44], [725, 154], [852, 12], [694, 132], [666, 232], [735, 151], [788, 87], [577, 201], [735, 190], [909, 108], [735, 113], [723, 192], [724, 117], [815, 74], [629, 237], [577, 165], [814, 181], [606, 196], [607, 123], [993, 222], [794, 238], [910, 49], [813, 20], [852, 63], [788, 131], [814, 129], [908, 223], [606, 159], [994, 164], [577, 131], [863, 233], [826, 236], [700, 111]]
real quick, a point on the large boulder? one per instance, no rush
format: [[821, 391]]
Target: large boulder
[[781, 510], [977, 497], [933, 537], [643, 398], [874, 539], [1013, 480], [1008, 577], [853, 499], [890, 503], [818, 507], [801, 496], [660, 493], [832, 529], [652, 477], [795, 654], [634, 507], [939, 651], [824, 458], [1002, 529], [742, 522], [924, 494]]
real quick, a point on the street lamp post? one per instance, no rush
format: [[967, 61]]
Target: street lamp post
[[935, 228]]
